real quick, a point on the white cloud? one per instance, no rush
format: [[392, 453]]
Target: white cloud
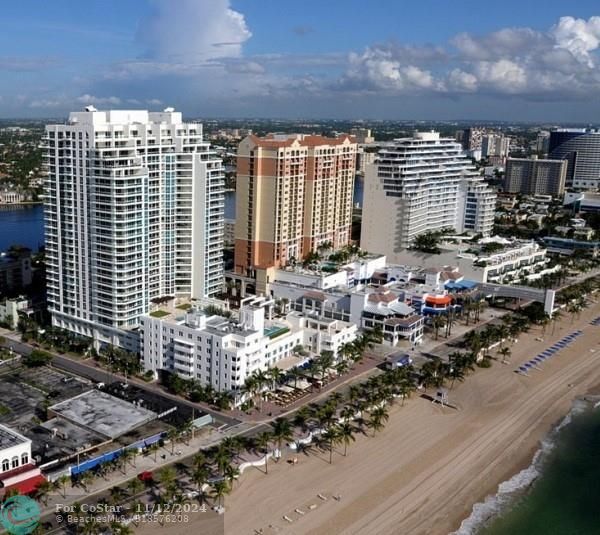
[[90, 99], [462, 81], [578, 36], [46, 103], [503, 75], [380, 68], [154, 102], [194, 31]]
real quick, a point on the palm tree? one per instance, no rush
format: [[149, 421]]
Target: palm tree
[[334, 399], [153, 448], [43, 489], [135, 486], [506, 353], [167, 476], [198, 460], [478, 306], [262, 442], [342, 367], [556, 315], [262, 380], [437, 322], [276, 376], [199, 477], [127, 455], [250, 386], [347, 351], [185, 430], [231, 472], [172, 436], [220, 490], [325, 362], [574, 309], [117, 494], [456, 372], [296, 373], [121, 529], [282, 430], [330, 437], [346, 435], [222, 458], [450, 317], [85, 479], [302, 417], [404, 389], [62, 482], [377, 417]]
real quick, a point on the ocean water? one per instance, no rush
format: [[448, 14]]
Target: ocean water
[[558, 494]]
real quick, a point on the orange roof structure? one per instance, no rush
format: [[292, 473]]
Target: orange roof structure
[[438, 300]]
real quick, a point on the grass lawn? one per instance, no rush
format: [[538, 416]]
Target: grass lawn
[[159, 314], [184, 306]]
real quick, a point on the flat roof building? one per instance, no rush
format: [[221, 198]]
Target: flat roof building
[[102, 413], [222, 352], [134, 205], [15, 450], [533, 176]]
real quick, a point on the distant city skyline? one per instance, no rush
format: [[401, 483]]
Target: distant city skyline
[[345, 60]]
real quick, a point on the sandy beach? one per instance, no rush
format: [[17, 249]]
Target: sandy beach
[[424, 472]]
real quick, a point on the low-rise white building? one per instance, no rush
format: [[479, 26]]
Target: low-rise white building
[[514, 261], [322, 334], [222, 352], [9, 311], [15, 450]]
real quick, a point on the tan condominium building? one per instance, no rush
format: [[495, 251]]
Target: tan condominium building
[[535, 177], [293, 193]]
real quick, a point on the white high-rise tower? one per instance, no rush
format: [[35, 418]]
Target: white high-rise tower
[[134, 205], [421, 184]]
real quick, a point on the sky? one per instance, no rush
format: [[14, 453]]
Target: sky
[[339, 59]]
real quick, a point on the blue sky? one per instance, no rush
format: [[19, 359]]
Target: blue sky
[[382, 59]]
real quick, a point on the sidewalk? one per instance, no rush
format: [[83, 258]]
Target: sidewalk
[[143, 463]]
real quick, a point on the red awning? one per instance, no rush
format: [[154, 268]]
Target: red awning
[[27, 486]]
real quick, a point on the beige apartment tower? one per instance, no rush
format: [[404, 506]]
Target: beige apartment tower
[[535, 176], [293, 193]]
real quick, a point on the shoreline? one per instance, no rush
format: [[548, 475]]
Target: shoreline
[[24, 203], [427, 469], [502, 496]]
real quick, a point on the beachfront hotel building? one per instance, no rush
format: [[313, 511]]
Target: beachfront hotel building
[[422, 184], [293, 193], [222, 352], [134, 205]]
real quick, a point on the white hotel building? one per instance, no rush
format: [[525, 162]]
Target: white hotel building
[[134, 206], [421, 184], [223, 352]]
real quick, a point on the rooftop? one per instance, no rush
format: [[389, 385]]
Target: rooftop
[[103, 413], [287, 140], [10, 438]]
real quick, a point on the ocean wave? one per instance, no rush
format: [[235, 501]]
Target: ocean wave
[[494, 505]]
